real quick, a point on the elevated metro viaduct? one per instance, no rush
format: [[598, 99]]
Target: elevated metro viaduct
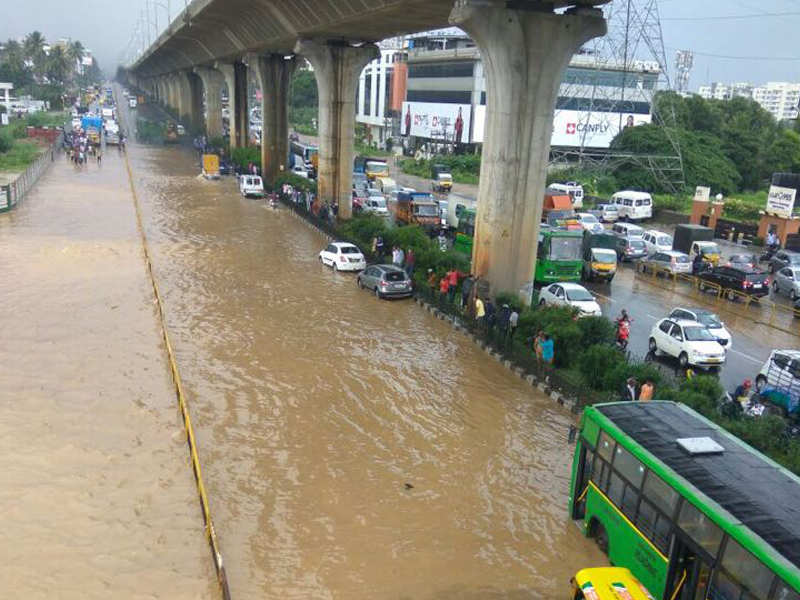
[[525, 45]]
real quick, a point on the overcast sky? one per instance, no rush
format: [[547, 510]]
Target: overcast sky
[[763, 48]]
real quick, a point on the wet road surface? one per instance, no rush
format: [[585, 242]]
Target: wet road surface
[[352, 448], [96, 494]]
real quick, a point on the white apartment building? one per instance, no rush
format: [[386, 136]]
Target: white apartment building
[[373, 99], [780, 98]]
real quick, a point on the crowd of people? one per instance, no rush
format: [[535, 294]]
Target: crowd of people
[[79, 150]]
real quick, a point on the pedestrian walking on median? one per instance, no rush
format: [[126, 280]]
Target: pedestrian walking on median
[[377, 247], [491, 315], [466, 291], [411, 261], [537, 346], [629, 390], [548, 350], [646, 391], [513, 320], [480, 312], [444, 285], [432, 279]]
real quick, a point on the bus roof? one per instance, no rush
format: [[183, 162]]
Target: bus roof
[[758, 492]]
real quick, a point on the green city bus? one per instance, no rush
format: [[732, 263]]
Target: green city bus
[[690, 509], [465, 232], [559, 257]]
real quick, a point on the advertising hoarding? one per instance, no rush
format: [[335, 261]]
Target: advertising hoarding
[[575, 128], [445, 122], [780, 201]]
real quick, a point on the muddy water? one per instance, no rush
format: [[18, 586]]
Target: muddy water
[[96, 496], [316, 404]]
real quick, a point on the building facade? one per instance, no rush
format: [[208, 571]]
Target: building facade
[[779, 98], [381, 91]]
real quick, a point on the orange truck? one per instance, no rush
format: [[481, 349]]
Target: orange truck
[[416, 208]]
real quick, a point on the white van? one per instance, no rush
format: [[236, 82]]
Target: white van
[[572, 189], [251, 185], [633, 206]]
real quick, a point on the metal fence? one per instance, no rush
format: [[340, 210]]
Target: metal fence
[[14, 192]]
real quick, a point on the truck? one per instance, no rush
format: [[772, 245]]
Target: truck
[[696, 239], [374, 167], [571, 188], [558, 257], [599, 253], [416, 208], [442, 179], [555, 200], [92, 126]]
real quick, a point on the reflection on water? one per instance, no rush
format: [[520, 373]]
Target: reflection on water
[[352, 448]]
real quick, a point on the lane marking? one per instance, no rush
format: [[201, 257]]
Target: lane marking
[[747, 356]]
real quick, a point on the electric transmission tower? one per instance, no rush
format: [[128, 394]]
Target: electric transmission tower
[[610, 80]]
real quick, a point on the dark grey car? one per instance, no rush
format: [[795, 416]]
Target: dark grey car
[[630, 249], [784, 258], [387, 281]]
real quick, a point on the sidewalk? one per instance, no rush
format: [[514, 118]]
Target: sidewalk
[[97, 494]]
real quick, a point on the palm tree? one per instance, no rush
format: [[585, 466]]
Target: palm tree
[[34, 50], [75, 54], [57, 65]]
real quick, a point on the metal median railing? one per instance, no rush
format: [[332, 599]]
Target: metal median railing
[[13, 193], [759, 309]]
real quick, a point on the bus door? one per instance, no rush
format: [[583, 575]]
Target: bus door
[[582, 478], [689, 572]]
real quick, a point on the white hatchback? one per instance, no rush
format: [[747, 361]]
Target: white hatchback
[[688, 341], [343, 257], [570, 294]]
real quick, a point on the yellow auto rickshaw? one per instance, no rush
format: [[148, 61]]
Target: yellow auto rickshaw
[[607, 583]]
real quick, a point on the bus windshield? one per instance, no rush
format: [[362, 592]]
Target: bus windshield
[[565, 248]]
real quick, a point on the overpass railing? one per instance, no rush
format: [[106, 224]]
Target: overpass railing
[[14, 192]]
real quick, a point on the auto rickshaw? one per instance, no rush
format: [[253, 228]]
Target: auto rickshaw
[[607, 583]]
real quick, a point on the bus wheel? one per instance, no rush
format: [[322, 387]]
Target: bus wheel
[[600, 537]]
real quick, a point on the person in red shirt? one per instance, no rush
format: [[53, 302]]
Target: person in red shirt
[[452, 277], [444, 286]]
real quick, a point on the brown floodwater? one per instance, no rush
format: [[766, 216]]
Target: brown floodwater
[[96, 496], [316, 404]]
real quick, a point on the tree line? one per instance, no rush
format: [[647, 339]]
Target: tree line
[[46, 71], [730, 145]]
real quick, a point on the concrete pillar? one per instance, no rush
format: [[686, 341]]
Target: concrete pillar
[[337, 68], [524, 55], [212, 86], [274, 76], [235, 75], [173, 100]]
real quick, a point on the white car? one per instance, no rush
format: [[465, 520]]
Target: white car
[[657, 241], [688, 341], [376, 205], [589, 222], [251, 186], [570, 294], [343, 257], [300, 171], [707, 318]]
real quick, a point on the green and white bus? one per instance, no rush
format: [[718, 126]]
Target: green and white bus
[[690, 509]]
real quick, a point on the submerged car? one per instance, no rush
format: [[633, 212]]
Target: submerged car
[[570, 294], [387, 281], [342, 256], [688, 341]]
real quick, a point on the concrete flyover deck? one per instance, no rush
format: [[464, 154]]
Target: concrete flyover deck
[[97, 495]]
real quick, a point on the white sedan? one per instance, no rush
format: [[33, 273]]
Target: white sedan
[[688, 341], [343, 257], [570, 294]]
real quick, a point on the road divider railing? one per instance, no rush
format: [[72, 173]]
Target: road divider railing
[[14, 192], [759, 309], [191, 440]]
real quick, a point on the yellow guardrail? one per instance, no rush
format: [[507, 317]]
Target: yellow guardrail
[[737, 303], [211, 535]]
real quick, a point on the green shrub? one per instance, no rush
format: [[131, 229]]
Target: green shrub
[[6, 141], [597, 359], [560, 324], [597, 330], [613, 379], [245, 155], [297, 182], [509, 298]]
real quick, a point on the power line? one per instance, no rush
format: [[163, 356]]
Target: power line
[[733, 17], [729, 57]]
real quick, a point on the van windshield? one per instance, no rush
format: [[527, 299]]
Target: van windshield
[[608, 257]]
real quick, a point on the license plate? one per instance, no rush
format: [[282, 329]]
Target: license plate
[[714, 360], [756, 286], [354, 260], [399, 286]]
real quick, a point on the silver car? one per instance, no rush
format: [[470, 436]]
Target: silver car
[[787, 280], [387, 281], [670, 261]]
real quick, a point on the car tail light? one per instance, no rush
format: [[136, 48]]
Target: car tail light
[[343, 258], [383, 284], [672, 260], [746, 283]]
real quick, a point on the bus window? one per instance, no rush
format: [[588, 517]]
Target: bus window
[[630, 468], [660, 494], [741, 573], [655, 526], [606, 446], [784, 592], [615, 489], [700, 528]]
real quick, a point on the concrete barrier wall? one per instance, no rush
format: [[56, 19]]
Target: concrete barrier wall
[[14, 193]]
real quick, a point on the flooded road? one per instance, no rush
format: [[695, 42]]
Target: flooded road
[[96, 495], [352, 448]]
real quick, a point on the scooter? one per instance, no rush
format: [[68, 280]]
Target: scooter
[[770, 252], [623, 333]]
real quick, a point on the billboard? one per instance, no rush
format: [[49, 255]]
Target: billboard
[[431, 120], [576, 128], [780, 201]]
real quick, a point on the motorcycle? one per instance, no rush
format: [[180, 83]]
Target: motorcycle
[[769, 253]]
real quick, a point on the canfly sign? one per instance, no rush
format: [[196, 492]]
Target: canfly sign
[[780, 201]]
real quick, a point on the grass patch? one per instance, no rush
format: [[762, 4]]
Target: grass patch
[[367, 150], [468, 173], [21, 155], [742, 206]]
